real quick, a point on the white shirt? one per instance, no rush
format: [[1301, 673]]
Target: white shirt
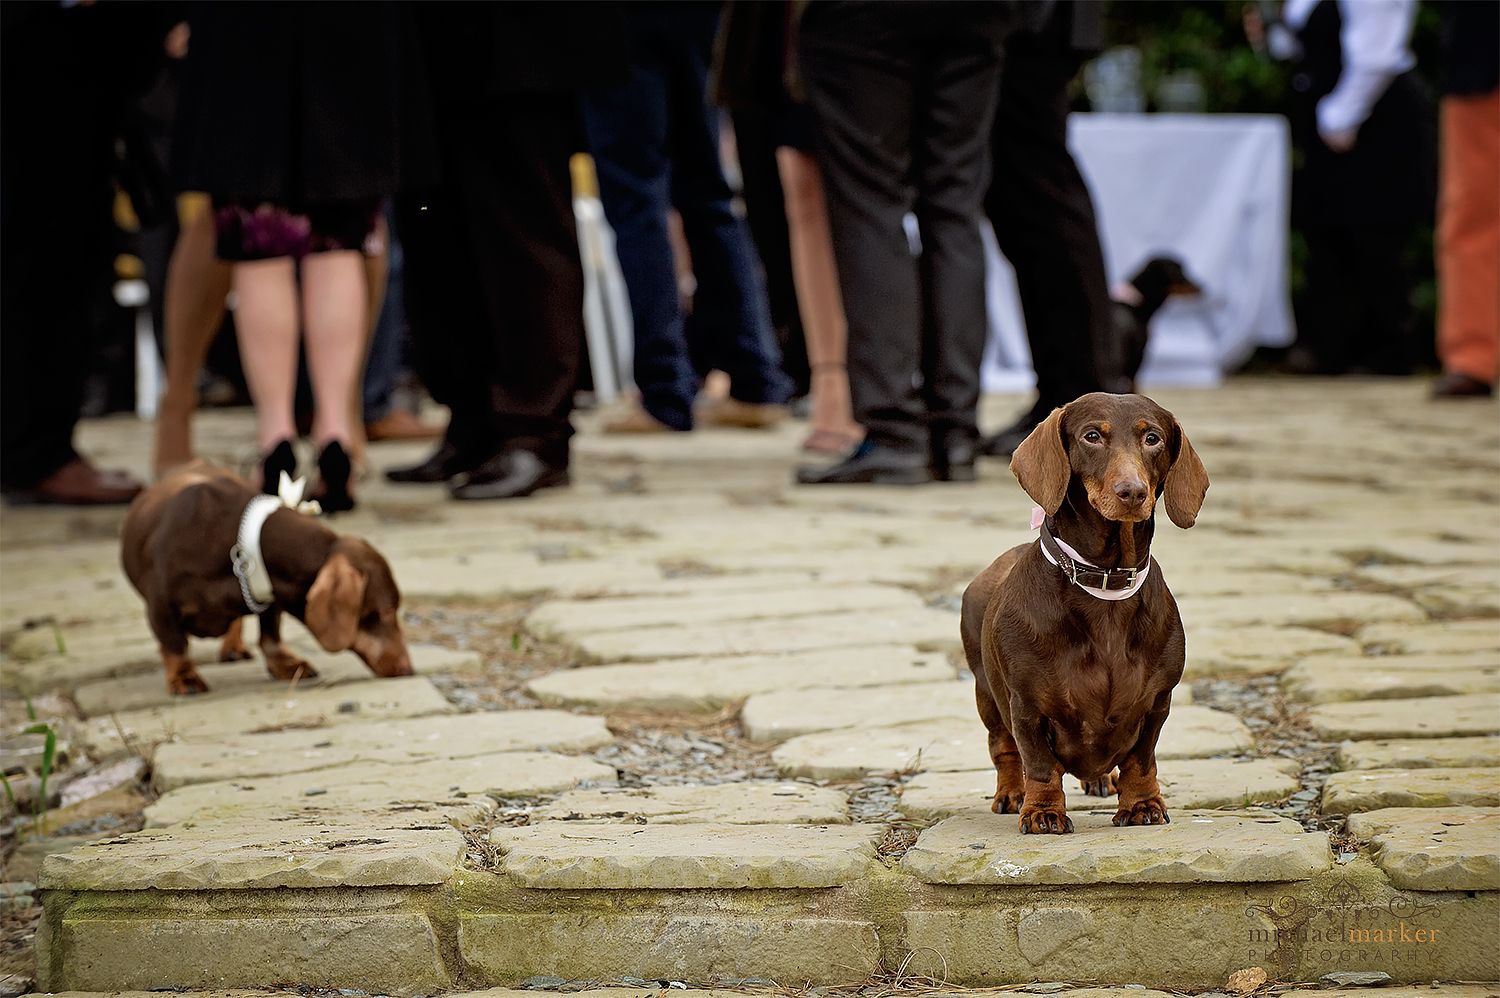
[[1374, 37]]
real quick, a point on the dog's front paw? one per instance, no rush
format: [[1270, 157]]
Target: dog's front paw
[[186, 682], [1046, 820], [1007, 802], [233, 653], [289, 668], [1146, 811], [1102, 787]]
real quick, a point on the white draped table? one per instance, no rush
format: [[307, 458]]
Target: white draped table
[[1213, 190]]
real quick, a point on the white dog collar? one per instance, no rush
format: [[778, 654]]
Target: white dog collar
[[1076, 568], [246, 558]]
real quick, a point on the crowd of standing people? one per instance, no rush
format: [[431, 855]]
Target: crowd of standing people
[[355, 169]]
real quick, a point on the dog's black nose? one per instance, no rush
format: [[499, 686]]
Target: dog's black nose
[[1131, 491]]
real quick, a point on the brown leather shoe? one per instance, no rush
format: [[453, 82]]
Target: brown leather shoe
[[79, 483], [742, 415], [400, 424]]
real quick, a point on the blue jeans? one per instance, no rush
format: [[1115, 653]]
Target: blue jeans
[[383, 366], [656, 146]]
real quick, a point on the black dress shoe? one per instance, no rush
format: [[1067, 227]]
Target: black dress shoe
[[1004, 443], [1454, 386], [334, 473], [441, 465], [954, 461], [508, 475], [870, 464]]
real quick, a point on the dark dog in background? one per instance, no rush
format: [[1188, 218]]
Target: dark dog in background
[[175, 548], [1136, 302], [1076, 647]]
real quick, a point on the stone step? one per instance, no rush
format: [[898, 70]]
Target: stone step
[[1185, 783], [696, 684], [1368, 824], [1371, 789], [1448, 636], [1423, 717], [397, 741], [960, 744], [1064, 990], [927, 629], [1197, 847], [1296, 609], [1257, 650], [225, 679], [561, 856], [1421, 753], [756, 803], [783, 714], [568, 619], [186, 720], [460, 787], [1441, 853], [1314, 681]]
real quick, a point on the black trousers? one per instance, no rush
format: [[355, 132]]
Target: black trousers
[[1044, 222], [1357, 307], [905, 95], [494, 286], [59, 112]]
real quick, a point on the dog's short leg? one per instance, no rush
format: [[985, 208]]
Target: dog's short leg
[[280, 662], [182, 675], [1008, 780], [1140, 794], [232, 648], [1104, 786], [1043, 808]]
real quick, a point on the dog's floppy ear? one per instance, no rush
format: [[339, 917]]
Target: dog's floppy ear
[[1040, 464], [333, 603], [1186, 483]]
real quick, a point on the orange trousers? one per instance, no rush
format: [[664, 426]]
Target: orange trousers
[[1468, 237]]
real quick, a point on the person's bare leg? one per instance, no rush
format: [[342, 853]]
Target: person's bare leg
[[265, 319], [197, 286], [819, 300], [334, 305]]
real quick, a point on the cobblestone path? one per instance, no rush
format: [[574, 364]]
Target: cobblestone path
[[686, 722]]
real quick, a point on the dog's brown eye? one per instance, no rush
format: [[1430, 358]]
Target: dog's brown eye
[[1152, 439], [1092, 436]]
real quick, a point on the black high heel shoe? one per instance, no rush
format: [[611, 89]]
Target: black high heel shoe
[[334, 471], [281, 459]]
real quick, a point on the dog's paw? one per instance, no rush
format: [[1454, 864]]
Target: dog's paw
[[1146, 811], [1102, 787], [1007, 802], [290, 668], [186, 683], [1045, 820], [233, 653]]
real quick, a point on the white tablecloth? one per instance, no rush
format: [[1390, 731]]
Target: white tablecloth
[[1213, 190]]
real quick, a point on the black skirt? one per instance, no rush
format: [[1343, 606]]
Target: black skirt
[[296, 103]]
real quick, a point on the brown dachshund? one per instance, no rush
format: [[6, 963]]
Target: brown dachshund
[[1076, 646], [176, 549]]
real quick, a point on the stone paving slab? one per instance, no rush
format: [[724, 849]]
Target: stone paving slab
[[1451, 853], [291, 851], [571, 618], [1421, 753], [121, 657], [959, 744], [461, 787], [783, 714], [1368, 824], [1440, 638], [397, 741], [920, 626], [1257, 650], [751, 803], [689, 685], [1424, 717], [1197, 847], [1295, 609], [561, 855], [187, 720], [1370, 789], [1318, 682], [1185, 783], [229, 678]]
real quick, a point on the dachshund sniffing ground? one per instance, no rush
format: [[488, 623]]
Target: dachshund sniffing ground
[[1074, 639]]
